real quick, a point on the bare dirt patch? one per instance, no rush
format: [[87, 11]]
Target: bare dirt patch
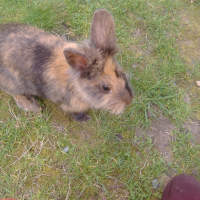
[[160, 133]]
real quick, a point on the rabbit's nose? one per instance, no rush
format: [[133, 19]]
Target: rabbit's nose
[[128, 97]]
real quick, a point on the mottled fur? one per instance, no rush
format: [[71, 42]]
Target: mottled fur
[[76, 76]]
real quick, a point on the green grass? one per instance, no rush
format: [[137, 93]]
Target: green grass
[[109, 157]]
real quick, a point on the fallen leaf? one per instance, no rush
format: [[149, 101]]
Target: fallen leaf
[[198, 83]]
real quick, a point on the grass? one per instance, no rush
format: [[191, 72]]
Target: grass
[[108, 157]]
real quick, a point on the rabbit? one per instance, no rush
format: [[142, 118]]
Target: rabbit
[[77, 76]]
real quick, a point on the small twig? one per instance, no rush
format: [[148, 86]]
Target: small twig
[[2, 122], [53, 190], [51, 144], [147, 37], [41, 175], [96, 118], [36, 185], [117, 186], [22, 155], [150, 4], [68, 191], [64, 169], [2, 171], [144, 165], [12, 113], [49, 166], [41, 145], [102, 197], [114, 179]]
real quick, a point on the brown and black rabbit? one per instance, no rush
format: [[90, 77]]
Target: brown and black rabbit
[[76, 76]]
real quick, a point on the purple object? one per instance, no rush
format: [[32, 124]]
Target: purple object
[[182, 187]]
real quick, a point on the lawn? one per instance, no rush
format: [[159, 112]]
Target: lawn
[[110, 157]]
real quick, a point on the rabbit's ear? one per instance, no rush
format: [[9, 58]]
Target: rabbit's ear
[[75, 59], [103, 32]]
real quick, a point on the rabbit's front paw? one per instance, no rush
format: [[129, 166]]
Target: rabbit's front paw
[[27, 103], [81, 117]]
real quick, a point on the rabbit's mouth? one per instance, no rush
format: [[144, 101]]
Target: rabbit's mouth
[[116, 108]]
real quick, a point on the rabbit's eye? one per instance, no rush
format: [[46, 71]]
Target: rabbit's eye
[[106, 88]]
